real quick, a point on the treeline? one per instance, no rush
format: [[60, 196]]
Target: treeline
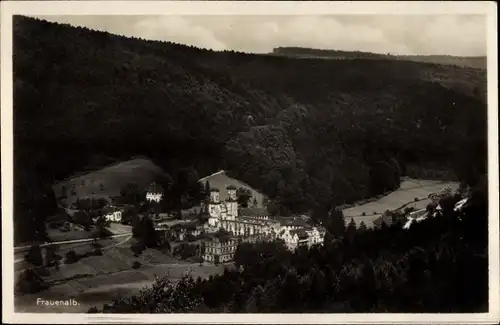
[[478, 62], [438, 265], [311, 134]]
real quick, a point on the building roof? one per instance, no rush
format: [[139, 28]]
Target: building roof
[[109, 209], [231, 187], [301, 233], [291, 221], [214, 189], [155, 188], [252, 212]]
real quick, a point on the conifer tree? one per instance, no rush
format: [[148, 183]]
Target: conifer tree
[[362, 227]]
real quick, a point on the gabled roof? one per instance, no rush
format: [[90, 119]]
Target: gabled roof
[[252, 212], [291, 221], [231, 187], [155, 188], [301, 233]]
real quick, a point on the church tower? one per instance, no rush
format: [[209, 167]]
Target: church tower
[[214, 207], [232, 202]]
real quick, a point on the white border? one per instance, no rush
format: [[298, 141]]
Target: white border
[[243, 8]]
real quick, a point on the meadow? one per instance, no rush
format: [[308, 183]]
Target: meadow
[[96, 280], [412, 193], [112, 178]]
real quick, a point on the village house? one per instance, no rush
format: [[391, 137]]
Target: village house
[[112, 214], [316, 236], [220, 251], [154, 193], [183, 231]]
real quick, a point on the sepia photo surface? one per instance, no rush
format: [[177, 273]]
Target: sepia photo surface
[[299, 162]]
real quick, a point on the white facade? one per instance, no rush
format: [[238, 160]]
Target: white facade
[[154, 197], [114, 216], [315, 237]]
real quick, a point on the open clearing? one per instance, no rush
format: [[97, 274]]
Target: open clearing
[[139, 171], [406, 194], [96, 280], [101, 289]]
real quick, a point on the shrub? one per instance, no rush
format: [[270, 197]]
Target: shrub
[[136, 265], [137, 248], [98, 252], [34, 255], [363, 214], [71, 257], [30, 282], [416, 199]]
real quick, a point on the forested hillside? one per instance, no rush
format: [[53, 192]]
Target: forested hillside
[[309, 133]]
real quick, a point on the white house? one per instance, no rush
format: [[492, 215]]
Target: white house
[[315, 237], [154, 193], [112, 214]]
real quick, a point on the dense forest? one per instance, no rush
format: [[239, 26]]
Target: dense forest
[[437, 266], [311, 134], [478, 62]]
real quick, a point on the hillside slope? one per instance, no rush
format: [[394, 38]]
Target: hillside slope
[[108, 181], [307, 133]]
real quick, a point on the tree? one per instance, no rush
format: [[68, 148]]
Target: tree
[[163, 296], [362, 227], [144, 230], [71, 257], [137, 248], [30, 282], [243, 196], [336, 223], [34, 255], [351, 228], [52, 258], [83, 218], [131, 194]]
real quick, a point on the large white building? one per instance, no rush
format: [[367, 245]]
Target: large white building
[[228, 216]]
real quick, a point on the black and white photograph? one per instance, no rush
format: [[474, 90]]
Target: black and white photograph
[[249, 161]]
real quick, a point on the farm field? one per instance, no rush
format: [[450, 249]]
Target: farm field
[[57, 235], [103, 288], [139, 171], [409, 190]]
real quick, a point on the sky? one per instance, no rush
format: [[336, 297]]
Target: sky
[[459, 35]]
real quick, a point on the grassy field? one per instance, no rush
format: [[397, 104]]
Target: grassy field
[[73, 234], [139, 171], [409, 190], [103, 288], [100, 279]]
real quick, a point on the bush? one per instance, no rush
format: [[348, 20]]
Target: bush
[[71, 257], [34, 255], [30, 282], [93, 310], [98, 252], [416, 199], [363, 214], [137, 248], [136, 265]]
